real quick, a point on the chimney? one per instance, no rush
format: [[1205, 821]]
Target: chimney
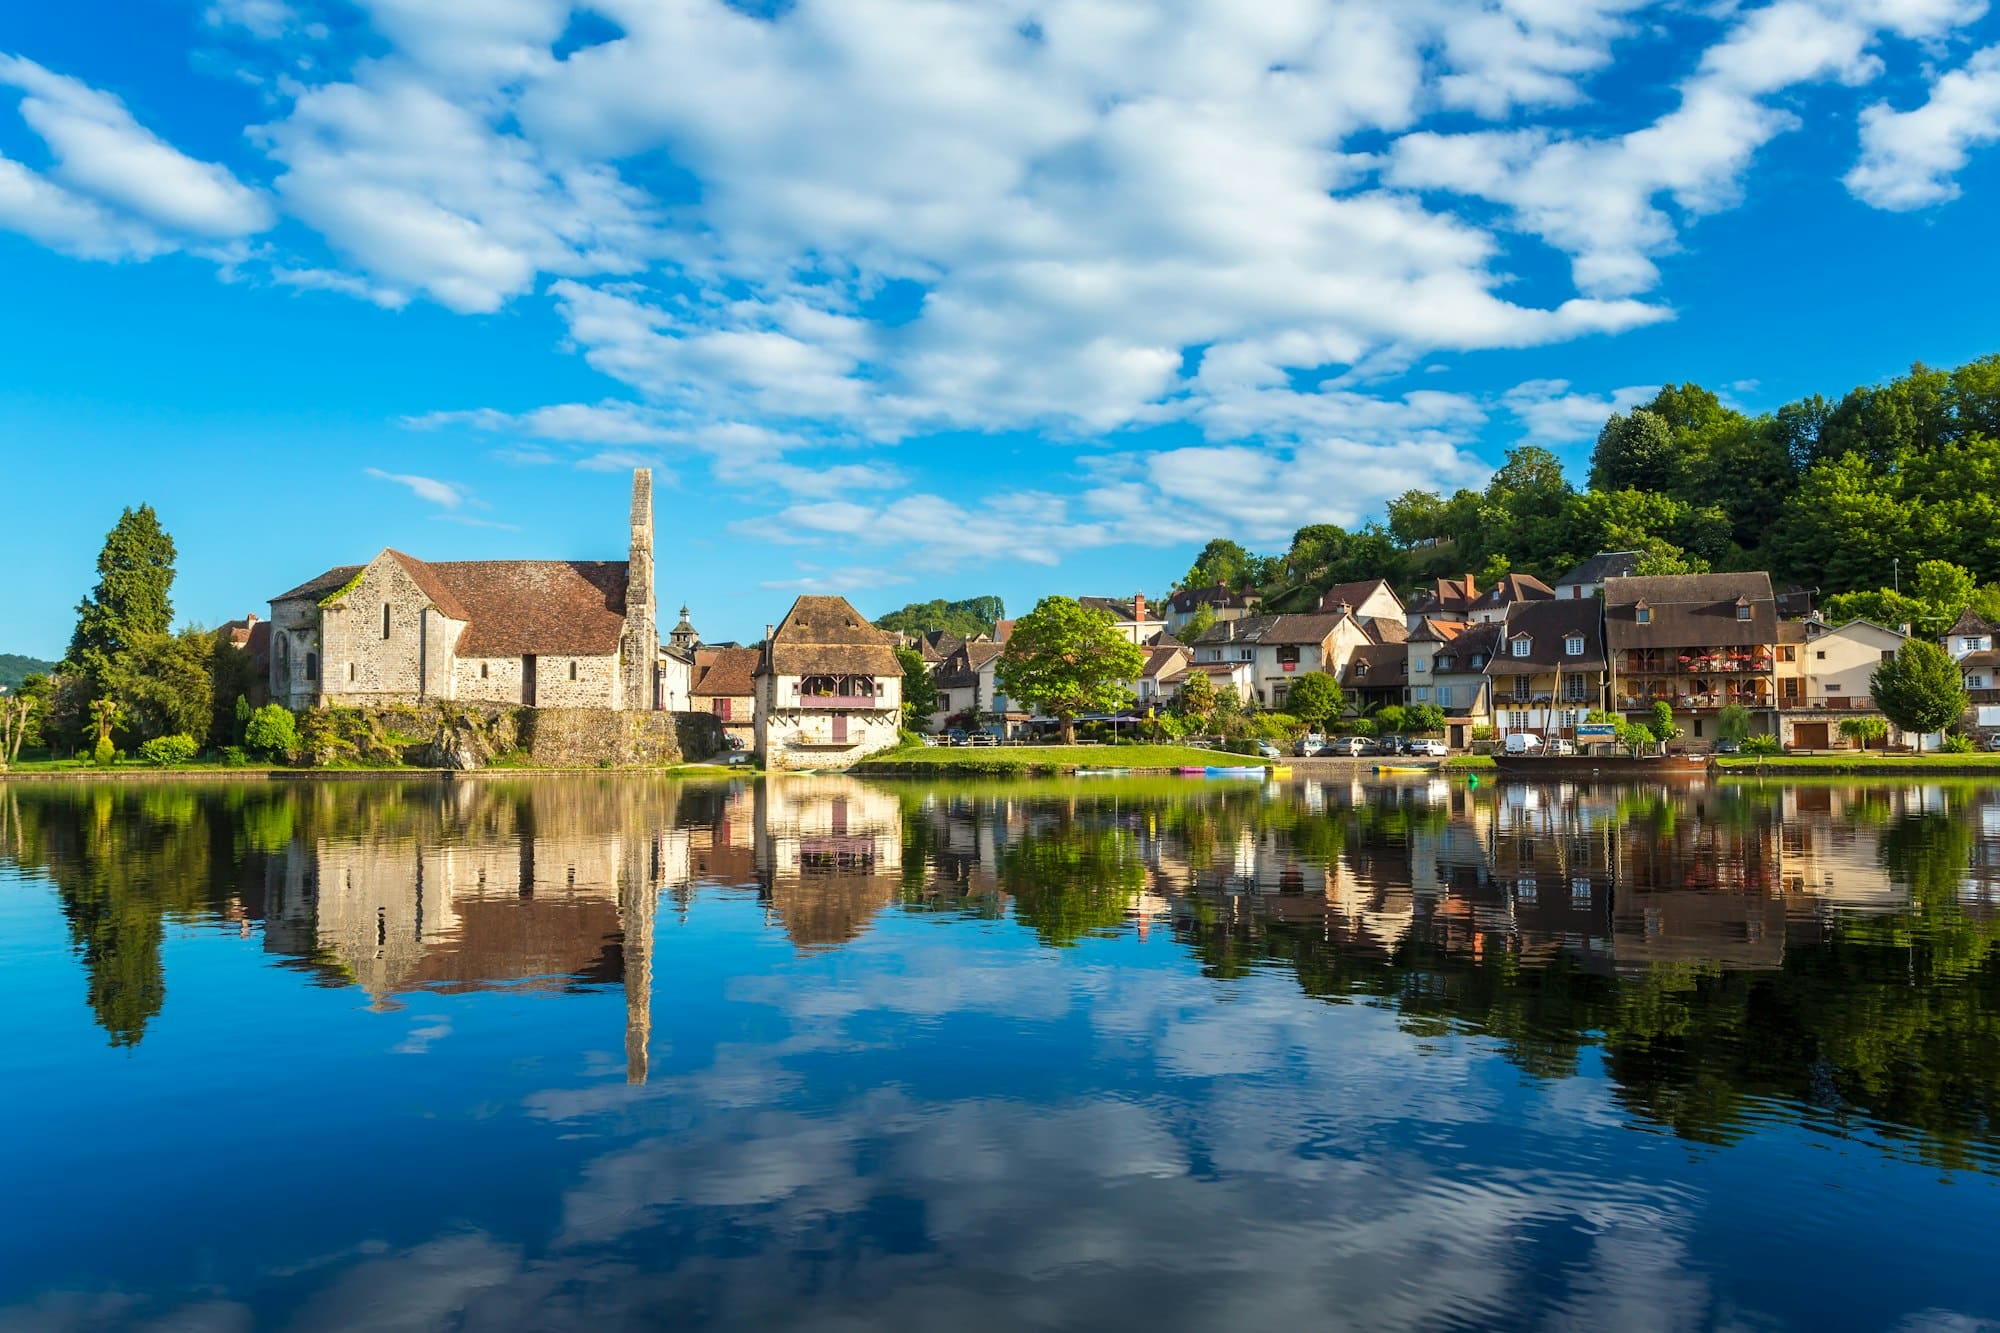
[[640, 644], [1138, 606], [1471, 588], [1906, 629]]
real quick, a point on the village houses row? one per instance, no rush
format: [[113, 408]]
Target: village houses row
[[1520, 655], [824, 686]]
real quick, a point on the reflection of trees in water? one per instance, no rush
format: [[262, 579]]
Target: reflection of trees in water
[[1071, 877], [124, 859]]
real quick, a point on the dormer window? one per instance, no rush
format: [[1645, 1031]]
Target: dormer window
[[1642, 614], [1742, 608], [1573, 645], [1521, 645], [1360, 669], [1478, 661]]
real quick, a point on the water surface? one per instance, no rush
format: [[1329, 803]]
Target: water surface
[[820, 1053]]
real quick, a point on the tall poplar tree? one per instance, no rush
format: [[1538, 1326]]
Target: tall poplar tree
[[135, 575]]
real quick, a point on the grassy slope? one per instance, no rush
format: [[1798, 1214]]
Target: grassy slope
[[1050, 758]]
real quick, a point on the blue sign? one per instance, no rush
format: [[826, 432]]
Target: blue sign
[[1597, 731]]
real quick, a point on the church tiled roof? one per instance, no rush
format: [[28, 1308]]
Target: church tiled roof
[[512, 608]]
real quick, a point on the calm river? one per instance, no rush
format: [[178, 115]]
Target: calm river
[[613, 1053]]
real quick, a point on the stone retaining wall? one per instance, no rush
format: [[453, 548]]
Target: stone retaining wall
[[602, 737]]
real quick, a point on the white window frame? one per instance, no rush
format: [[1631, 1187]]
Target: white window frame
[[1522, 645], [1573, 645]]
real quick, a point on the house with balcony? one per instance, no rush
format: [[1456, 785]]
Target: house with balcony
[[1826, 676], [1550, 668], [1447, 666], [1159, 683], [1700, 642], [829, 688]]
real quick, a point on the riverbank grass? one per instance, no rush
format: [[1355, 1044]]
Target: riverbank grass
[[1930, 762], [1048, 758]]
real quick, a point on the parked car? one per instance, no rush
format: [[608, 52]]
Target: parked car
[[1993, 741], [1269, 750], [1308, 746], [955, 736], [1392, 745], [1433, 749], [1729, 747], [1561, 745], [1347, 747], [1523, 742]]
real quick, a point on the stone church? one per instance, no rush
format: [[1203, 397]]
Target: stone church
[[542, 633]]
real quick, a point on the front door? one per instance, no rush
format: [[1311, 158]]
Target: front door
[[840, 728]]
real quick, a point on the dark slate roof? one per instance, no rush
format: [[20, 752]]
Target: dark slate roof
[[1245, 629], [1514, 590], [259, 642], [316, 588], [961, 670], [1690, 610], [1388, 666], [1984, 659], [722, 672], [1215, 594], [1604, 565], [1477, 641], [1547, 625], [826, 634]]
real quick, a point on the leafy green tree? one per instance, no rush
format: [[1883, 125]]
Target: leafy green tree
[[920, 694], [1196, 699], [1314, 547], [1732, 723], [165, 684], [1424, 719], [1663, 726], [1221, 561], [17, 715], [1066, 660], [1391, 719], [1638, 452], [967, 619], [1864, 731], [273, 732], [1920, 688], [1314, 698], [135, 577], [1199, 623]]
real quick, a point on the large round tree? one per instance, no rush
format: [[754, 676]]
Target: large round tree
[[1066, 660], [1919, 689]]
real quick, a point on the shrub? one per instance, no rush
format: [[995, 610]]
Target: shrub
[[1955, 744], [104, 754], [1760, 744], [235, 756], [273, 732], [1485, 733], [165, 751]]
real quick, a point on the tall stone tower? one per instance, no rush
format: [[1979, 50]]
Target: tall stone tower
[[640, 648]]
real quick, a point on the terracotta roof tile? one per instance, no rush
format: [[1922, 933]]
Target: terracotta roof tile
[[724, 672], [826, 634]]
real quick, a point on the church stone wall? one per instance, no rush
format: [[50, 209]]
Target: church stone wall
[[493, 680], [591, 737], [358, 662]]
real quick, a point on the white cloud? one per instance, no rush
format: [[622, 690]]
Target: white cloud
[[1908, 158], [1552, 414], [444, 494], [1598, 199], [102, 152], [43, 211], [845, 579], [267, 19]]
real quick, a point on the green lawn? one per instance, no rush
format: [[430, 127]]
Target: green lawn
[[1468, 763], [1050, 758], [1861, 763]]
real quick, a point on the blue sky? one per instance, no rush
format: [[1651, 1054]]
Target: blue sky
[[926, 299]]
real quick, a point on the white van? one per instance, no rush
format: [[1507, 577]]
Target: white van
[[1523, 742]]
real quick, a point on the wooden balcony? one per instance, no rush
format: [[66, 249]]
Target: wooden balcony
[[848, 702]]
